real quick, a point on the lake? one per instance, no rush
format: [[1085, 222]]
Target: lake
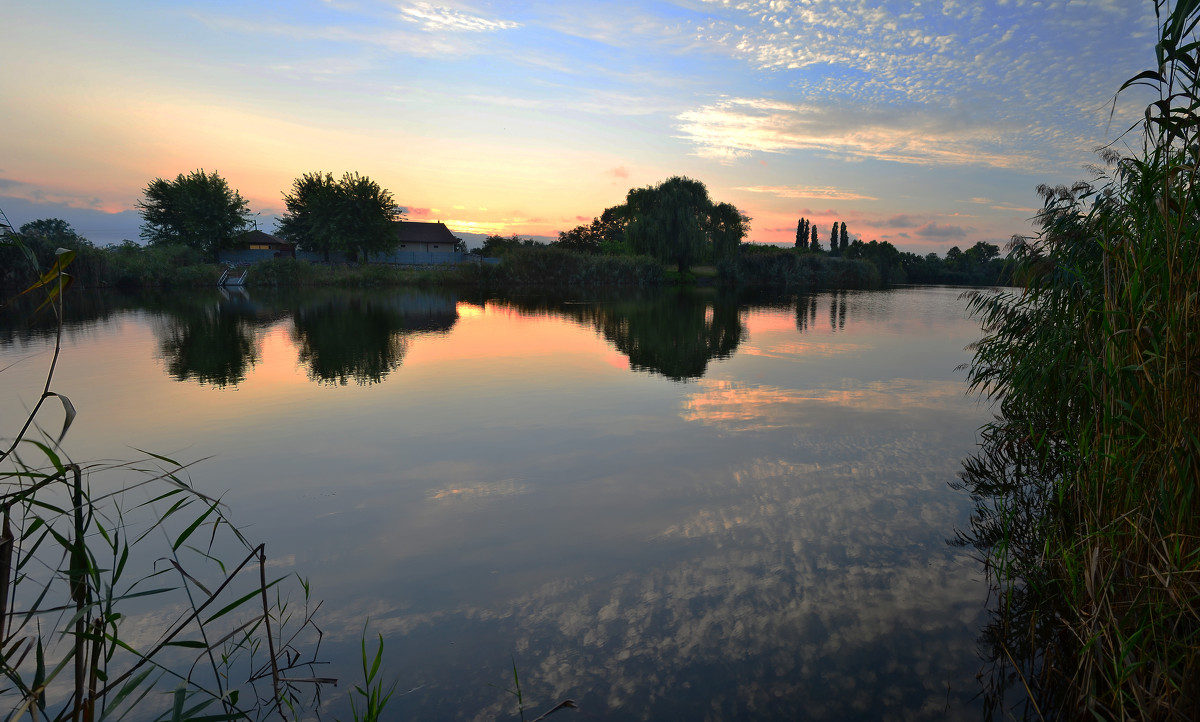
[[678, 505]]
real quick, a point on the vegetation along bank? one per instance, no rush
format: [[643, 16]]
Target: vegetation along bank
[[348, 231]]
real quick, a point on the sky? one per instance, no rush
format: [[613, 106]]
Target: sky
[[925, 124]]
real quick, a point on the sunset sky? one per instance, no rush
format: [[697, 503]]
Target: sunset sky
[[927, 124]]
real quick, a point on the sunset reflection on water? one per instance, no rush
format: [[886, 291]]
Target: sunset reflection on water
[[670, 507]]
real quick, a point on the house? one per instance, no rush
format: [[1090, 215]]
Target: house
[[421, 237], [254, 246]]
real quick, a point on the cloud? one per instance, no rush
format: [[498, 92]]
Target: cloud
[[583, 219], [828, 194], [418, 212], [934, 230], [738, 127], [618, 172], [901, 221], [1037, 85], [437, 18]]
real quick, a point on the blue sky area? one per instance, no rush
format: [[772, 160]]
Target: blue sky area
[[927, 124]]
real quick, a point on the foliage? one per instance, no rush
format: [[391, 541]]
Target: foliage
[[549, 266], [677, 223], [353, 214], [802, 230], [496, 246], [197, 210], [1089, 509], [605, 234], [772, 266]]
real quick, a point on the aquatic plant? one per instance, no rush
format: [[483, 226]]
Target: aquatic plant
[[1089, 481], [115, 601]]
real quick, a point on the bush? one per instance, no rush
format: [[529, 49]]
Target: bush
[[786, 269], [549, 267]]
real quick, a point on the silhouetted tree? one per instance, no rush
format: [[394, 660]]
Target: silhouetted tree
[[674, 222], [353, 214], [198, 210], [727, 227], [816, 244], [844, 240], [802, 233]]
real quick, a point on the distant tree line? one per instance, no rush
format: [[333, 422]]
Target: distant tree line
[[979, 265]]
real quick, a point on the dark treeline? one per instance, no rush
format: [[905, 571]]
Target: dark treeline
[[979, 265]]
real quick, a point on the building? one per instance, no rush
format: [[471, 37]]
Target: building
[[421, 237], [254, 246]]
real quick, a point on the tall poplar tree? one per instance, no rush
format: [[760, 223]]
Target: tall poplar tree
[[845, 240]]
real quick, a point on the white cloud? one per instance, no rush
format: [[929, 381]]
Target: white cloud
[[828, 194], [437, 18], [738, 127], [1041, 80]]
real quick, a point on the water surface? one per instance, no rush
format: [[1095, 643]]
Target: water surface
[[674, 506]]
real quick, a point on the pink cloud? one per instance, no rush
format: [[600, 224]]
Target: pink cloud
[[418, 212], [619, 172]]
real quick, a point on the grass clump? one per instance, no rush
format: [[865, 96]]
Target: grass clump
[[1089, 481]]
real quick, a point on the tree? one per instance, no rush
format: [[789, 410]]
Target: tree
[[580, 239], [844, 240], [727, 227], [977, 255], [353, 214], [816, 244], [367, 218], [197, 210], [956, 260], [833, 239], [802, 233], [45, 236], [497, 245], [676, 222], [310, 218], [53, 231]]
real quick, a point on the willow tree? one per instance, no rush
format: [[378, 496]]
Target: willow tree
[[676, 222], [727, 227]]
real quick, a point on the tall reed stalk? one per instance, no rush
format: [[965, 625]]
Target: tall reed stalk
[[1089, 485]]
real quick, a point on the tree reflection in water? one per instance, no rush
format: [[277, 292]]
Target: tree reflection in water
[[365, 338], [673, 334], [210, 339], [340, 336]]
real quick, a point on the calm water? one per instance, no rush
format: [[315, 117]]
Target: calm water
[[664, 507]]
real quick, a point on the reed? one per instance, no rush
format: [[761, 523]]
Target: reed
[[114, 599], [1092, 532]]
